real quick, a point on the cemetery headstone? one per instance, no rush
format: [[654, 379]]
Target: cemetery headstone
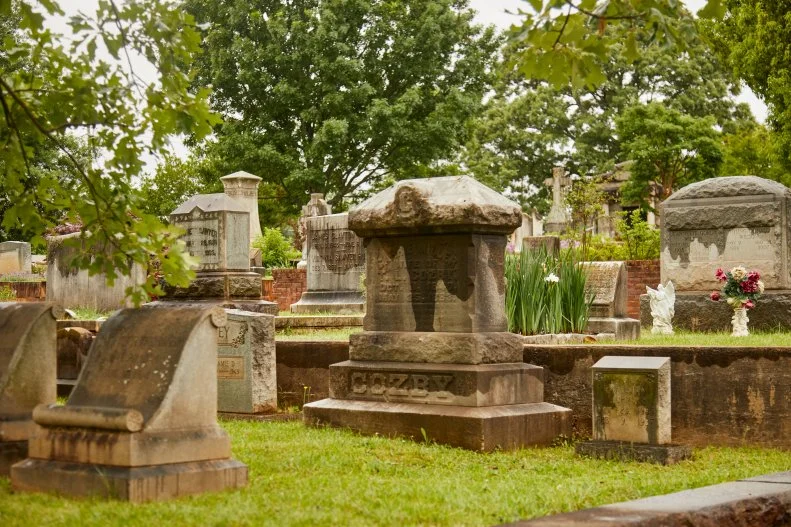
[[141, 423], [631, 411], [15, 257], [550, 244], [336, 264], [720, 223], [27, 373], [435, 359], [315, 207], [246, 370], [558, 218], [218, 235], [607, 281], [243, 187]]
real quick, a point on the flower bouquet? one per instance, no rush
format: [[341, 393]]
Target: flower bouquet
[[741, 290]]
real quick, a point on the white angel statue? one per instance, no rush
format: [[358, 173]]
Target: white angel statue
[[663, 306]]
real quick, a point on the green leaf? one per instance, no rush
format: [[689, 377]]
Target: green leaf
[[714, 9]]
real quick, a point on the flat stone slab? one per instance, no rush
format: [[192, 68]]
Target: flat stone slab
[[625, 451], [11, 452], [620, 328], [764, 501], [137, 484], [506, 427]]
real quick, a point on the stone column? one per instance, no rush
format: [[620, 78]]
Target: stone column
[[243, 187], [435, 359]]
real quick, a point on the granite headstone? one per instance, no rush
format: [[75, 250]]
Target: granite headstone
[[607, 281], [15, 257]]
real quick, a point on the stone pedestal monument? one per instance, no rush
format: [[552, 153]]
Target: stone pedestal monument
[[243, 187], [218, 235], [315, 207], [141, 423], [558, 218], [435, 359], [27, 373]]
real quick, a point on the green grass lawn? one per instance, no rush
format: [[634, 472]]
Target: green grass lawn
[[689, 338], [304, 476]]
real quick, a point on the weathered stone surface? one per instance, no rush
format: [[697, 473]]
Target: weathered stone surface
[[220, 285], [315, 207], [550, 244], [627, 451], [697, 312], [246, 372], [607, 281], [445, 384], [440, 348], [724, 222], [620, 328], [73, 347], [146, 398], [435, 205], [27, 371], [243, 187], [318, 321], [15, 257]]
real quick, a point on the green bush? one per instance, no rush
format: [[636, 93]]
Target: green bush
[[641, 239], [545, 294], [7, 294], [276, 250]]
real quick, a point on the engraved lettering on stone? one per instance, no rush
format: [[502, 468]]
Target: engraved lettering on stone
[[414, 385], [230, 367], [202, 237]]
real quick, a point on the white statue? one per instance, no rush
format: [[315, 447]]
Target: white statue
[[663, 307]]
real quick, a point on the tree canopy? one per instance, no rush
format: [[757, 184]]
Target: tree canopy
[[339, 96]]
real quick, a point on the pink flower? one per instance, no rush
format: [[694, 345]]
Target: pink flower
[[715, 295], [753, 276], [720, 275], [510, 248], [749, 287], [749, 304]]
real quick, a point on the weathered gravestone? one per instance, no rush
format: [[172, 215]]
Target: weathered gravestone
[[15, 257], [141, 424], [631, 411], [315, 207], [558, 218], [218, 235], [435, 358], [607, 281], [550, 244], [246, 371], [27, 373], [720, 223], [243, 187], [336, 264]]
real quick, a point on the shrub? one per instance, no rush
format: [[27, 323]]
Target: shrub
[[640, 238], [276, 250], [7, 294], [545, 294]]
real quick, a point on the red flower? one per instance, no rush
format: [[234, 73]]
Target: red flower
[[749, 304], [720, 275], [715, 295], [753, 276], [749, 287]]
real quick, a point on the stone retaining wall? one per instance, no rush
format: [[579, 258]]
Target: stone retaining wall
[[288, 286], [640, 273], [28, 290]]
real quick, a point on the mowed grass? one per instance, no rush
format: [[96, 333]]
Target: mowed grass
[[689, 338], [306, 476]]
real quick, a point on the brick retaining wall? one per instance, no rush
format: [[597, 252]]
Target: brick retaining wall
[[288, 286], [640, 273]]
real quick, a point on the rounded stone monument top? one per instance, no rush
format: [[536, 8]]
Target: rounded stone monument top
[[240, 175], [731, 186], [457, 204], [210, 203]]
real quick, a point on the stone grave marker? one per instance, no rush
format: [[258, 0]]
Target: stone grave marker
[[218, 235], [608, 282], [315, 207], [246, 370], [551, 244], [27, 373], [141, 423], [336, 264], [721, 223], [435, 359], [243, 187], [631, 411], [15, 257], [558, 218]]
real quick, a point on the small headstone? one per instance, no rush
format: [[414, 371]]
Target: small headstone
[[435, 360], [550, 244], [243, 187], [15, 257], [631, 410], [315, 207], [608, 282], [246, 370], [141, 423], [27, 373], [336, 263]]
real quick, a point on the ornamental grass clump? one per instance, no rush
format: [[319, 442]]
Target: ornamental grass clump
[[545, 294]]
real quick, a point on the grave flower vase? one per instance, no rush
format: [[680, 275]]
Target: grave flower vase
[[739, 322]]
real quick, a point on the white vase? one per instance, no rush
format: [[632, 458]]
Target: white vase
[[739, 322]]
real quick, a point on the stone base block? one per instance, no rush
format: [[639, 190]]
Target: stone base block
[[625, 451], [485, 429], [136, 484], [695, 311], [220, 285], [622, 328], [343, 302], [436, 347], [445, 384], [11, 452], [256, 306]]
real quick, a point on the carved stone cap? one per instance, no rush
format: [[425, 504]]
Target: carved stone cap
[[210, 203], [732, 186], [435, 205], [240, 175]]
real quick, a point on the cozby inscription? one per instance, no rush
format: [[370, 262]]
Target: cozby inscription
[[400, 385]]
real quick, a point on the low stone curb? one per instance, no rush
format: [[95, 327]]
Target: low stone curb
[[318, 321], [762, 501]]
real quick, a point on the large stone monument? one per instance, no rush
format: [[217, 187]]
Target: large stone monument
[[15, 257], [336, 264], [720, 223], [607, 281], [315, 207], [27, 373], [558, 218], [218, 235], [141, 423], [243, 187], [246, 371], [435, 359]]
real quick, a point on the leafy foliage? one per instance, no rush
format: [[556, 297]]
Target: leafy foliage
[[585, 199], [339, 96], [54, 86], [276, 250], [174, 181], [640, 239]]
